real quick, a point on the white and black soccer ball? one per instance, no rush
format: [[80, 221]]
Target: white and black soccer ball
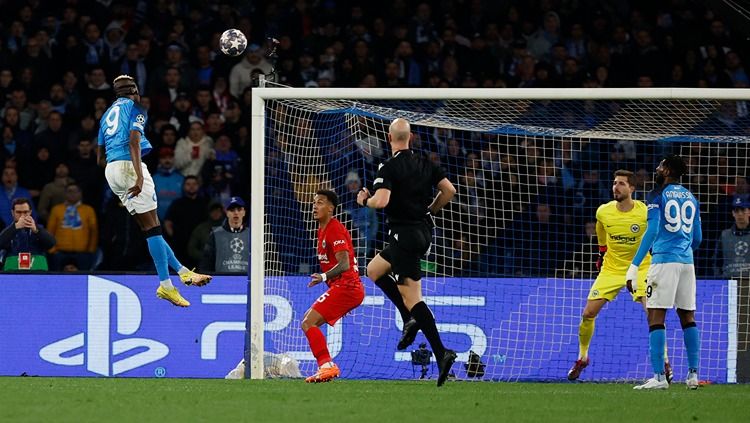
[[233, 42]]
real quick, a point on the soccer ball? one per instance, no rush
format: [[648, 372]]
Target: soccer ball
[[233, 42]]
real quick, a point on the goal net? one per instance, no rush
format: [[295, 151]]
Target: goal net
[[513, 254]]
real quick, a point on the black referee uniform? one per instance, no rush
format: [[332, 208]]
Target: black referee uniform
[[411, 178]]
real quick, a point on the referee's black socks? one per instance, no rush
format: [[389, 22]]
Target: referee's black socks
[[423, 315], [388, 285]]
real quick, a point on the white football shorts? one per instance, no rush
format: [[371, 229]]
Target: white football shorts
[[121, 177], [671, 285]]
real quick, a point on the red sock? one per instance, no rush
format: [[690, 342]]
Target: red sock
[[318, 346]]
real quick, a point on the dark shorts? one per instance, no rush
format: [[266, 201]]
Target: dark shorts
[[407, 246]]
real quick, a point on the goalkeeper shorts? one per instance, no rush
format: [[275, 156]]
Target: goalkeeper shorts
[[608, 285]]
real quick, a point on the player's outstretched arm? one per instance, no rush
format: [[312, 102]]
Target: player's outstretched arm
[[135, 157], [446, 192], [342, 265]]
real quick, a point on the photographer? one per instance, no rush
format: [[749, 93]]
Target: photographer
[[25, 242], [422, 357]]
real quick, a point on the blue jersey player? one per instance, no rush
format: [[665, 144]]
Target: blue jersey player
[[673, 233], [122, 142]]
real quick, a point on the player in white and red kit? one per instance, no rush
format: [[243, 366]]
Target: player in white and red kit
[[339, 271]]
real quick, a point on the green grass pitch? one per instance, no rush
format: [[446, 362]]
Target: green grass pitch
[[182, 400]]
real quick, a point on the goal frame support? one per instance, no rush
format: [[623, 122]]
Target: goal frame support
[[258, 129]]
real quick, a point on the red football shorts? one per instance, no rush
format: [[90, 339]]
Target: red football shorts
[[337, 301]]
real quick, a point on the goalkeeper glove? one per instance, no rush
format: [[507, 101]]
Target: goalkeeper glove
[[600, 260], [631, 278]]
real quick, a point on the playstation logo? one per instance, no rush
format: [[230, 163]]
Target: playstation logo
[[100, 350]]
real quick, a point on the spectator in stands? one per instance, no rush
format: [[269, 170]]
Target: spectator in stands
[[364, 220], [169, 136], [732, 256], [220, 171], [74, 226], [232, 119], [11, 191], [85, 171], [240, 76], [96, 87], [114, 43], [168, 182], [133, 64], [181, 116], [19, 100], [183, 216], [193, 151], [37, 172], [165, 95], [214, 126], [72, 95], [24, 235], [204, 103], [93, 45], [16, 141], [199, 236], [6, 84], [228, 246], [53, 192], [205, 69], [541, 235], [54, 138]]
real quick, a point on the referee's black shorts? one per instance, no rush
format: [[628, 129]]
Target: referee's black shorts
[[407, 245]]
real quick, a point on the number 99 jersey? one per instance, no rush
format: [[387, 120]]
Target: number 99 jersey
[[676, 212], [123, 116]]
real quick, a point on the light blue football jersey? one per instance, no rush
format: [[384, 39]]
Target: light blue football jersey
[[674, 226], [123, 116]]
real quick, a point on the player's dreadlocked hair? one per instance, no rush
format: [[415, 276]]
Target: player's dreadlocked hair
[[124, 85], [676, 166]]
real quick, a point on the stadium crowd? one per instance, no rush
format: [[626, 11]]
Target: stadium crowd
[[58, 59]]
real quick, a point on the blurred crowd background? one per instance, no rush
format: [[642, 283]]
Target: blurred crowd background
[[58, 59]]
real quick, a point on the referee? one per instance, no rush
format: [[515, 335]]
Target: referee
[[404, 187]]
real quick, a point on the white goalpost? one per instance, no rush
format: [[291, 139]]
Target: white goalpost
[[513, 254]]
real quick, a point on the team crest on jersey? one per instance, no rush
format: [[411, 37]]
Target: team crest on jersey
[[323, 243], [634, 228], [595, 293]]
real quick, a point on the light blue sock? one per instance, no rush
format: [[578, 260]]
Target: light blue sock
[[657, 336], [173, 262], [159, 255], [692, 338]]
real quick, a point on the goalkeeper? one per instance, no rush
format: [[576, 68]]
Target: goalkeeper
[[620, 224]]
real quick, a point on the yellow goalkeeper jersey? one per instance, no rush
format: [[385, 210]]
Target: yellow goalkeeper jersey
[[623, 232]]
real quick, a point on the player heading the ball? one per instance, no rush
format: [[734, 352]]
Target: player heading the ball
[[339, 271], [122, 142]]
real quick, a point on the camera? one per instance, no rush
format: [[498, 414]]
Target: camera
[[422, 357]]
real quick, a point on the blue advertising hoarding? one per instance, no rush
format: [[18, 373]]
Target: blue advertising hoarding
[[523, 329]]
